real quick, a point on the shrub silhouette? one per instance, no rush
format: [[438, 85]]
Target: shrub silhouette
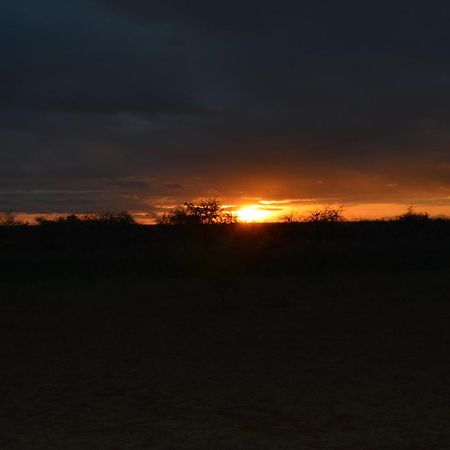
[[10, 220], [107, 218], [289, 218], [120, 218], [411, 216], [206, 212], [325, 215]]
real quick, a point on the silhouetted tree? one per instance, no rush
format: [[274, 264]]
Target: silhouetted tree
[[206, 212]]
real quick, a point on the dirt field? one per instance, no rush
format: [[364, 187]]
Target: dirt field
[[345, 362]]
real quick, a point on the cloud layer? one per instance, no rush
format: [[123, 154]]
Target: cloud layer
[[121, 104]]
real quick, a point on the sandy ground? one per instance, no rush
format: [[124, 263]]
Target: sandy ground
[[345, 362]]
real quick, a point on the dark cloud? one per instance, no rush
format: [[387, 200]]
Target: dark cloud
[[232, 98]]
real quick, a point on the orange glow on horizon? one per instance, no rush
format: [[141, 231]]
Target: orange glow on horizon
[[269, 210]]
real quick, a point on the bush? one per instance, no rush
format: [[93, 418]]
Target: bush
[[10, 220], [411, 216], [206, 212], [326, 215], [108, 218]]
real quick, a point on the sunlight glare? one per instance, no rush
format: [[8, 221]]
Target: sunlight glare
[[252, 214]]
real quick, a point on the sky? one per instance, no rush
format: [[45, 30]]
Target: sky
[[283, 105]]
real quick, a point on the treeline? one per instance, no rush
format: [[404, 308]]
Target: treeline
[[216, 250], [202, 244], [107, 218], [206, 212]]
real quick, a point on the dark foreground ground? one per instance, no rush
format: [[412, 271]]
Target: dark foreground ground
[[355, 360]]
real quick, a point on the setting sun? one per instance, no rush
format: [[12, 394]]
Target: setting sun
[[252, 214]]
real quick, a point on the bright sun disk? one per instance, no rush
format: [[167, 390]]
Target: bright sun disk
[[252, 214]]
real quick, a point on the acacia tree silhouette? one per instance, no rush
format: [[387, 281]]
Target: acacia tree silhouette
[[206, 212]]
